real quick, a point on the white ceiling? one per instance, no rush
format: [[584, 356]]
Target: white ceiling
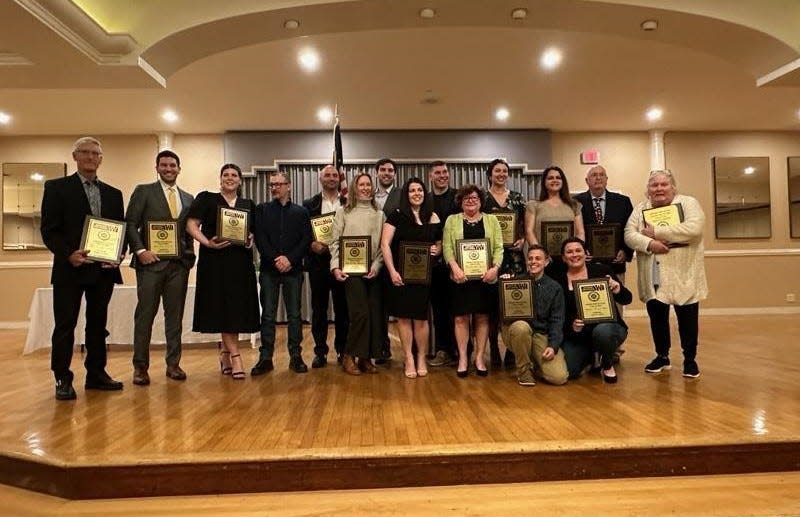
[[232, 65]]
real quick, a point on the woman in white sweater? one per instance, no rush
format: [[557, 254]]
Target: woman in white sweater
[[361, 217], [669, 261]]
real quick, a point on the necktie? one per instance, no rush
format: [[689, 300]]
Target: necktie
[[93, 194], [173, 204], [598, 211]]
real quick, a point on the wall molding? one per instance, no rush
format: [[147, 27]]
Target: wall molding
[[9, 325], [26, 264], [728, 311], [763, 252]]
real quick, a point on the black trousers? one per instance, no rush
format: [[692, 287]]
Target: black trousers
[[443, 325], [66, 308], [323, 285], [364, 303], [687, 327]]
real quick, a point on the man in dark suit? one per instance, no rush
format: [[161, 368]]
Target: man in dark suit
[[323, 285], [66, 203], [387, 197], [599, 206], [159, 278]]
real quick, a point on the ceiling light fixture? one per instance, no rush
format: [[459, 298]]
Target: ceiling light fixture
[[551, 58], [502, 114], [37, 176], [649, 25], [169, 116], [654, 114], [427, 13], [291, 24], [308, 59], [324, 114], [5, 118], [519, 14], [749, 170]]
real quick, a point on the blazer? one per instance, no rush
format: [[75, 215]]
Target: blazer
[[392, 201], [148, 203], [64, 210], [618, 210], [454, 230], [313, 261]]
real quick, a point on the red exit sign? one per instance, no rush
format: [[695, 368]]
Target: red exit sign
[[590, 157]]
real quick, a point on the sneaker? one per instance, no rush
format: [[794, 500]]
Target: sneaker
[[690, 369], [658, 364], [526, 378], [440, 359]]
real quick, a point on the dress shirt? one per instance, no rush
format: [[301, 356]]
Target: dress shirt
[[329, 206], [382, 195], [166, 188]]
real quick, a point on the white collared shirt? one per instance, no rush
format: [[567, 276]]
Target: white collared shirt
[[165, 188], [382, 195], [328, 205]]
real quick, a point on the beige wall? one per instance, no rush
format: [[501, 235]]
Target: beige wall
[[736, 280]]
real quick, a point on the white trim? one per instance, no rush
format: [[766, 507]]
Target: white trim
[[764, 252], [778, 73], [26, 264], [152, 72], [728, 311], [9, 325], [12, 59]]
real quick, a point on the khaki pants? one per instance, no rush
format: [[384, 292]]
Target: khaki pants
[[528, 347]]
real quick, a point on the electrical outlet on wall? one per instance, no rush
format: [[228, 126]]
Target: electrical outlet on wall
[[790, 297]]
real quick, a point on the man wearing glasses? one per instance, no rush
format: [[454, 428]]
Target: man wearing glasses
[[66, 203], [283, 234]]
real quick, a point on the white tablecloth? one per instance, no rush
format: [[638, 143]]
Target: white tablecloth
[[120, 319]]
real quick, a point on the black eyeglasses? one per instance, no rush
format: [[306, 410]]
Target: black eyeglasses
[[276, 185]]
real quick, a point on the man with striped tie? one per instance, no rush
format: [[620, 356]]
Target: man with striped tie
[[160, 277]]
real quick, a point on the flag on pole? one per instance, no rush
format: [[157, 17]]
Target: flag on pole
[[338, 159]]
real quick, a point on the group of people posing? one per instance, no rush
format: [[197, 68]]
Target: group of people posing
[[555, 344]]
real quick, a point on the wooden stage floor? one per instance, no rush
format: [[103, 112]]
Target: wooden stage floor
[[741, 415]]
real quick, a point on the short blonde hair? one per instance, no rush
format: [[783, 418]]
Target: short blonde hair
[[86, 140], [663, 172]]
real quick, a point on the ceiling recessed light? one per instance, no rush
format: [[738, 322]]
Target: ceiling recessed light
[[37, 176], [308, 59], [551, 58], [749, 170], [5, 118], [291, 24], [169, 116], [649, 25], [654, 114], [324, 114], [502, 114], [519, 14], [427, 13]]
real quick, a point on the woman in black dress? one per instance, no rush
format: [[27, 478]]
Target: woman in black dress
[[414, 221], [226, 299]]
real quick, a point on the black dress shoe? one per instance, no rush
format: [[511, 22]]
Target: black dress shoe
[[262, 366], [297, 365], [481, 373], [103, 384], [64, 390], [319, 361], [609, 379], [462, 373]]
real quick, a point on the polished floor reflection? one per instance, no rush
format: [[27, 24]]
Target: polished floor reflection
[[748, 391]]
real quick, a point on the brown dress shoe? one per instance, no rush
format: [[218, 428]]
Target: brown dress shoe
[[175, 373], [366, 366], [141, 377], [349, 366]]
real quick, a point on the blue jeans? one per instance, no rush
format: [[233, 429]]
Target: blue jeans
[[271, 282], [603, 337]]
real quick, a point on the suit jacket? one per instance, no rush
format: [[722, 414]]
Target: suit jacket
[[64, 210], [148, 203], [618, 210], [314, 207], [392, 201]]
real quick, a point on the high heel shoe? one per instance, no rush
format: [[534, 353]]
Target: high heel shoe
[[422, 369], [225, 367], [462, 373], [481, 373], [238, 374], [608, 379]]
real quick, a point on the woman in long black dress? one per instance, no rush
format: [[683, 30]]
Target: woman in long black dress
[[226, 299], [414, 221]]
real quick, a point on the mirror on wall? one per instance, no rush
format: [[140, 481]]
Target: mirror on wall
[[793, 166], [23, 186], [741, 197]]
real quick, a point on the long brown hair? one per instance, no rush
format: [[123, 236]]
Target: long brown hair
[[352, 193], [566, 198]]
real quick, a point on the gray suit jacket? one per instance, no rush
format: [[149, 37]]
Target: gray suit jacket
[[148, 203]]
